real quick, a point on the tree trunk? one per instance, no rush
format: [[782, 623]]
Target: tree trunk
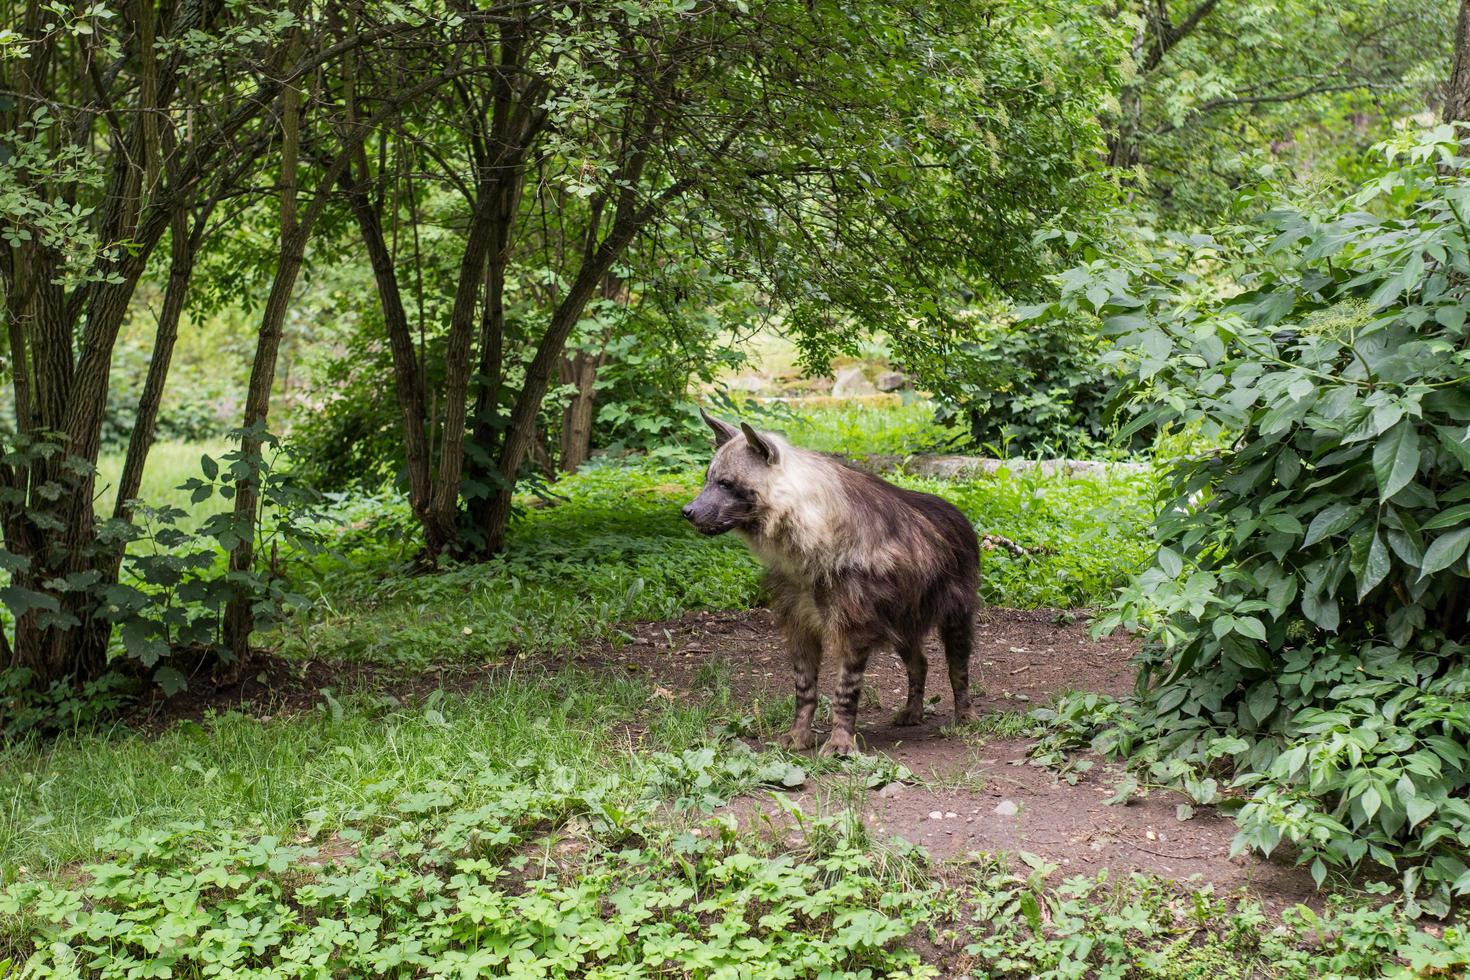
[[576, 419], [240, 611], [1457, 94], [441, 531], [181, 270], [407, 382]]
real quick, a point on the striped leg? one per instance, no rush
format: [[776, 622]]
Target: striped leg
[[958, 642], [806, 660], [854, 660], [911, 652]]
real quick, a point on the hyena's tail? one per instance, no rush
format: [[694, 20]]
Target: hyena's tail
[[990, 542], [956, 631]]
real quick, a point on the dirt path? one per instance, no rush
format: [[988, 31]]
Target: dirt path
[[979, 794]]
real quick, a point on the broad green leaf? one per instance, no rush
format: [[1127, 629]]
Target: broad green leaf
[[1419, 809], [1444, 551], [1332, 519], [1396, 458], [1375, 568]]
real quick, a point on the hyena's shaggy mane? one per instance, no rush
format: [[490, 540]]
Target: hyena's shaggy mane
[[877, 552]]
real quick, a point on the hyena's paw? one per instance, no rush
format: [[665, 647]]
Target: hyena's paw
[[797, 740], [909, 716], [839, 743], [965, 715]]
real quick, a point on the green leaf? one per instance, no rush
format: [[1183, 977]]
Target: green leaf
[[1375, 569], [20, 600], [170, 680], [1370, 801], [1455, 438], [1250, 626], [1419, 809], [1447, 518], [1444, 551], [1396, 458], [1333, 518], [1031, 911]]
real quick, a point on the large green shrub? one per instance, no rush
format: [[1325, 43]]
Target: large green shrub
[[1028, 389], [1306, 610]]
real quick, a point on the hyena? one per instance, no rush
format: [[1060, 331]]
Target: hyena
[[852, 563]]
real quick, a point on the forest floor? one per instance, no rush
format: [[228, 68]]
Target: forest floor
[[974, 789]]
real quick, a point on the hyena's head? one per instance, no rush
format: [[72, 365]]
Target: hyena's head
[[744, 466]]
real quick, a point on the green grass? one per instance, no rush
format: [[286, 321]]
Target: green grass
[[169, 465], [616, 550], [861, 430]]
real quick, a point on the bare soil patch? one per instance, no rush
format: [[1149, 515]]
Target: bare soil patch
[[977, 794]]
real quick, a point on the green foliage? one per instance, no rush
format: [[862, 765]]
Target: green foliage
[[1306, 605], [856, 431], [160, 610], [26, 706], [1089, 533], [1139, 927], [1025, 389], [1268, 86]]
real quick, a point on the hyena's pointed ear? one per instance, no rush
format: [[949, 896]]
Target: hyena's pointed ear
[[723, 431], [764, 447]]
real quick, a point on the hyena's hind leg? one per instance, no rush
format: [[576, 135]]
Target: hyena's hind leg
[[911, 652], [958, 633], [806, 660]]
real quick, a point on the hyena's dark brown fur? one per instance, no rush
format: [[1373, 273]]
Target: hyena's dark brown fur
[[852, 563]]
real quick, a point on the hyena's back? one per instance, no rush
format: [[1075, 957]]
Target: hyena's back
[[904, 561]]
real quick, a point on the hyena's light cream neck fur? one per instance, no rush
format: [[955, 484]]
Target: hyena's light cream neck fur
[[808, 526]]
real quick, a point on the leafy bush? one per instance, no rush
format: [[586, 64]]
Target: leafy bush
[[156, 585], [1307, 604], [1028, 389]]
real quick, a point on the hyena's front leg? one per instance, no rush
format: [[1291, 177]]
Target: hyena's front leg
[[854, 661], [806, 661]]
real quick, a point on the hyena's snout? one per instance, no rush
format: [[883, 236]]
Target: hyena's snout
[[707, 516]]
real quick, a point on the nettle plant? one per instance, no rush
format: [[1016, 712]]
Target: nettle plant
[[155, 580], [1306, 610]]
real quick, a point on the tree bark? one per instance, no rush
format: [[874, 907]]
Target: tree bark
[[441, 530], [579, 370], [408, 382], [1457, 94], [182, 249]]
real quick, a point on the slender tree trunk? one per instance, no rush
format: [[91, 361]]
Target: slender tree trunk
[[407, 382], [579, 370], [1457, 94], [182, 249], [240, 612]]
